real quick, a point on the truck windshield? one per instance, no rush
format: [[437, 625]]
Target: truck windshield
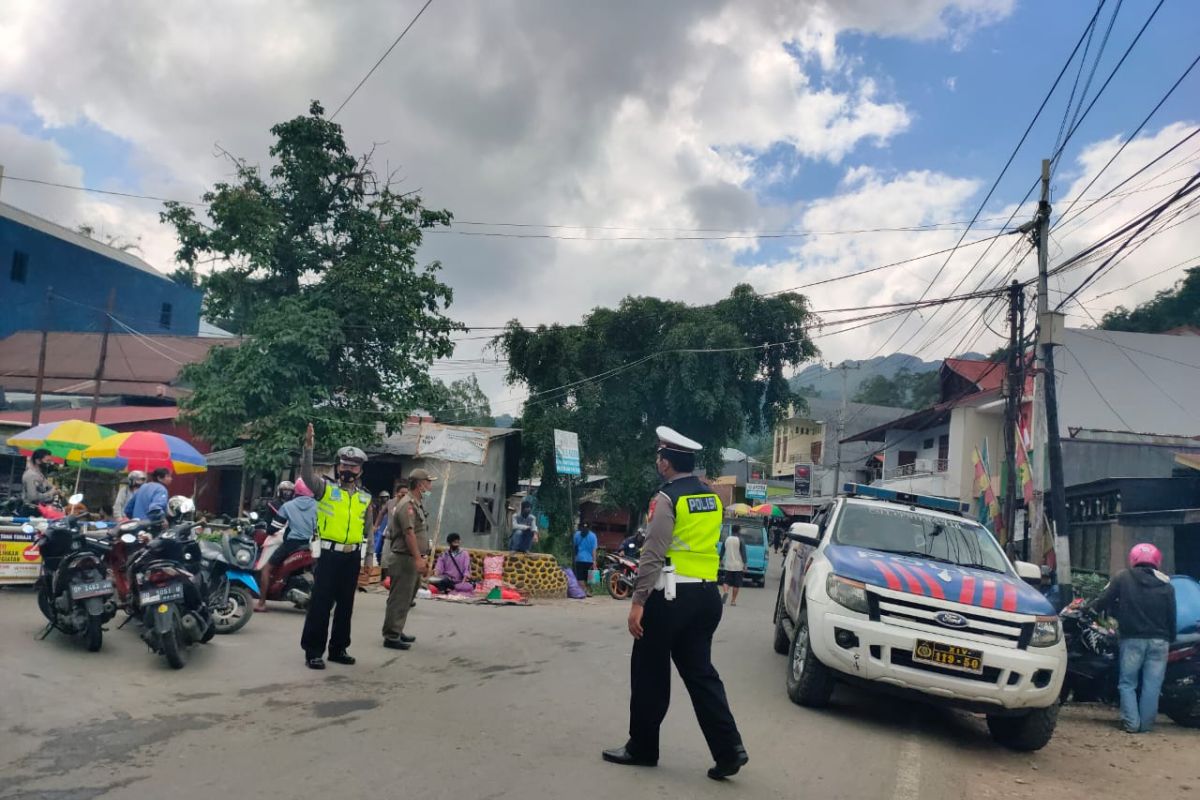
[[898, 530]]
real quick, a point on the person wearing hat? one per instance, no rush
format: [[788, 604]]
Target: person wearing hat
[[405, 558], [676, 609], [379, 513], [342, 510]]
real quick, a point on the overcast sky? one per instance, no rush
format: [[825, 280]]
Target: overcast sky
[[641, 121]]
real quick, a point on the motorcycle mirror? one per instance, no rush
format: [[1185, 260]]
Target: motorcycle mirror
[[128, 538], [27, 528], [75, 499]]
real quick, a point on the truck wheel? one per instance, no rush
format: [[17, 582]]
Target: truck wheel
[[1027, 733], [782, 642], [809, 682]]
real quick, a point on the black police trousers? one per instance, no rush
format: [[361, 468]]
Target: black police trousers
[[335, 582], [681, 631]]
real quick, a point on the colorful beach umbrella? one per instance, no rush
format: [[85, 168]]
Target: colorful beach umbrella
[[739, 510], [65, 439], [768, 510], [145, 450]]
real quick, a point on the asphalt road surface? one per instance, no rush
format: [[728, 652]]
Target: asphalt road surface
[[496, 702]]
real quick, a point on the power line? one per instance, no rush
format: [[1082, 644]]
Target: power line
[[102, 191], [386, 53], [1142, 280]]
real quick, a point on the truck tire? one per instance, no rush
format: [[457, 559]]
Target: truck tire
[[1026, 733], [809, 682], [782, 642]]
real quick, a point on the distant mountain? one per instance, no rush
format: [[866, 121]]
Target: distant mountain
[[818, 380], [504, 421]]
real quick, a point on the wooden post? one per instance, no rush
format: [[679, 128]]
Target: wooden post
[[112, 301]]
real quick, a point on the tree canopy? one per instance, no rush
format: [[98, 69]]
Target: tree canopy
[[713, 372], [906, 389], [460, 402], [319, 270], [1169, 308]]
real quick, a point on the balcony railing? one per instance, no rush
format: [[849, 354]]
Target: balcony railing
[[922, 466]]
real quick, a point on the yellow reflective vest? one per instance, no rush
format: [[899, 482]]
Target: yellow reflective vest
[[697, 534], [341, 515]]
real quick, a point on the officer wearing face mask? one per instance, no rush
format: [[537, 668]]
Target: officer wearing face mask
[[342, 509]]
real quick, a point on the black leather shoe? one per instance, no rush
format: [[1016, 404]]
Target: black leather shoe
[[404, 637], [315, 663], [342, 658], [396, 644], [730, 767], [621, 755]]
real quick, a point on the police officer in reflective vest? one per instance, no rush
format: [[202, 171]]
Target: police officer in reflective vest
[[342, 510], [676, 609]]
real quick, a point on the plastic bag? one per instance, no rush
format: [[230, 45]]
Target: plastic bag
[[493, 572], [574, 590]]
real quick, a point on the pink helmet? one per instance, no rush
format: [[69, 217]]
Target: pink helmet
[[302, 488], [1145, 553]]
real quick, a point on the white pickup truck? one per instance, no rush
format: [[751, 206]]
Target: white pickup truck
[[901, 593]]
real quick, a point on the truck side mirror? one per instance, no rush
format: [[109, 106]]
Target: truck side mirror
[[1030, 573], [805, 533]]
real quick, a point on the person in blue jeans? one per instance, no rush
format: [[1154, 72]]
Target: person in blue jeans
[[584, 543], [1143, 601]]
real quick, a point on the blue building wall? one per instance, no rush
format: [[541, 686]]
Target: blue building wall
[[80, 279]]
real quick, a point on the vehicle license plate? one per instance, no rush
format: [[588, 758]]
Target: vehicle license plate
[[948, 655], [79, 591], [162, 594]]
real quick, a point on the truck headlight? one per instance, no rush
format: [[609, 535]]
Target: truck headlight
[[847, 593], [1046, 632]]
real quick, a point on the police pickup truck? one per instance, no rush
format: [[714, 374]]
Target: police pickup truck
[[901, 593]]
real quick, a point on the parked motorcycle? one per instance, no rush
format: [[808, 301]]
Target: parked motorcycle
[[232, 588], [167, 589], [619, 575], [293, 579], [75, 592], [1093, 667]]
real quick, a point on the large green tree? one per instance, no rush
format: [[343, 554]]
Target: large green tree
[[1170, 308], [460, 402], [906, 389], [713, 372], [316, 263]]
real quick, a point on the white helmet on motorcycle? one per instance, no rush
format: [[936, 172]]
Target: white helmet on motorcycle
[[285, 489], [136, 478]]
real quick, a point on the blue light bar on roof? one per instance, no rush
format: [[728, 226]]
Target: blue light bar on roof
[[919, 500]]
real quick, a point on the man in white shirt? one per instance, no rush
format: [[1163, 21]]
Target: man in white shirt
[[733, 562]]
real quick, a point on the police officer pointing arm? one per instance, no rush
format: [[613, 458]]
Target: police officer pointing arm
[[676, 609], [342, 510]]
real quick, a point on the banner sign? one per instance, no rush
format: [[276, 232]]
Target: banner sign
[[566, 452], [803, 480], [448, 443], [20, 561], [756, 491]]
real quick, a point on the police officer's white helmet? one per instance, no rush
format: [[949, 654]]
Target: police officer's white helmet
[[351, 455]]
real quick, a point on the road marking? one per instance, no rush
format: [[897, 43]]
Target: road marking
[[908, 769]]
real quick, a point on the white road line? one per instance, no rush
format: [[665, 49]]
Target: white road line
[[908, 769]]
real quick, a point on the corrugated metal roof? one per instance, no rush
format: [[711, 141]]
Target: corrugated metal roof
[[105, 415], [136, 365]]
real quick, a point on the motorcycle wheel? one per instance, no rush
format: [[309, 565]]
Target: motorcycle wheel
[[172, 649], [44, 605], [617, 588], [94, 634], [1186, 716], [235, 613]]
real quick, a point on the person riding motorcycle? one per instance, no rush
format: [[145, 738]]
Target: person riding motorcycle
[[631, 547], [133, 482], [35, 487], [297, 520]]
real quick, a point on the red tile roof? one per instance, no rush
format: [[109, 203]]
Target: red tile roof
[[984, 374], [105, 415]]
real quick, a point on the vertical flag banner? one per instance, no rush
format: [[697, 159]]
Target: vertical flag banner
[[1024, 470]]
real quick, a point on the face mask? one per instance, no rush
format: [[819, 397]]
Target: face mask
[[454, 548], [346, 475]]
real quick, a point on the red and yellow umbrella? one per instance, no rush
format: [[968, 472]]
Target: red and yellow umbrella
[[768, 510], [145, 450]]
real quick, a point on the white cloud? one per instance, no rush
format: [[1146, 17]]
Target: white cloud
[[951, 83], [638, 116]]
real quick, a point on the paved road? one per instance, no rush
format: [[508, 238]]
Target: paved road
[[493, 702]]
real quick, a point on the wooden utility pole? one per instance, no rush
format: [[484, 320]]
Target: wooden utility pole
[[1014, 381], [841, 430], [41, 369], [112, 301], [1048, 328]]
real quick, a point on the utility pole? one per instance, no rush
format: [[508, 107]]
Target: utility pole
[[41, 369], [841, 430], [1014, 381], [1049, 325], [112, 301]]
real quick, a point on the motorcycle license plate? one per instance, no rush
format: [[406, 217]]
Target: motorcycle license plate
[[949, 656], [79, 591], [161, 594]]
